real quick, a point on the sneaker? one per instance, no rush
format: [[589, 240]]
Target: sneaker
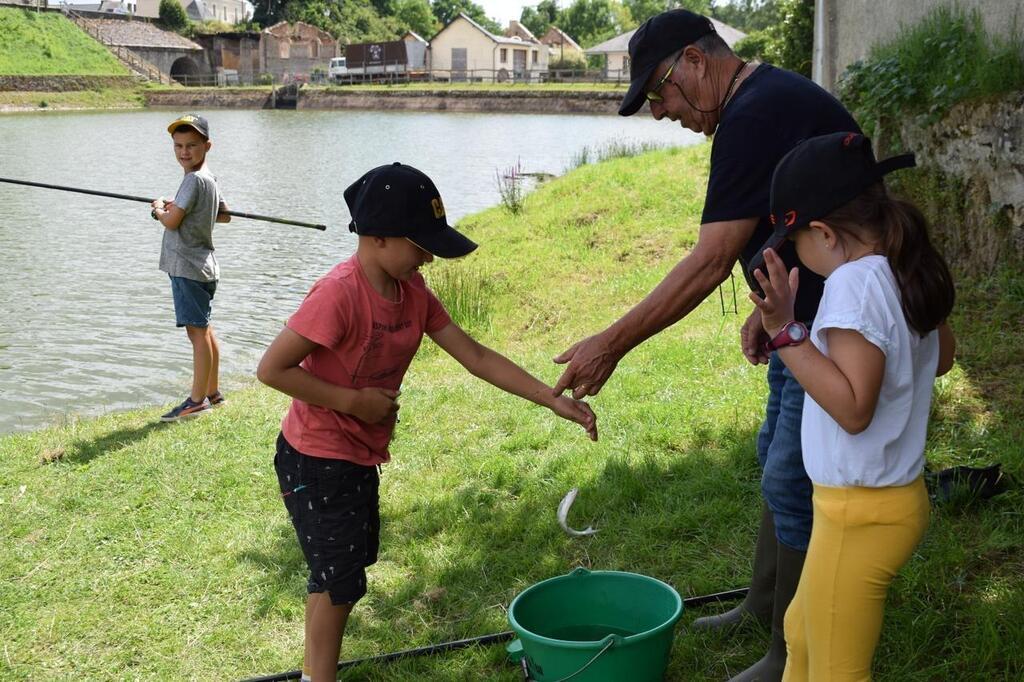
[[187, 410], [216, 399]]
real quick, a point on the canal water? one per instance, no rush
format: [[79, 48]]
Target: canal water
[[86, 319]]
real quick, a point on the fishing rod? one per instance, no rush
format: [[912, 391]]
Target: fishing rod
[[129, 197], [474, 641]]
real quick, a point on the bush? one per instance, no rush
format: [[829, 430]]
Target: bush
[[172, 16], [511, 188], [788, 43], [927, 69]]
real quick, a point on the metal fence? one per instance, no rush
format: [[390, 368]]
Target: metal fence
[[378, 75]]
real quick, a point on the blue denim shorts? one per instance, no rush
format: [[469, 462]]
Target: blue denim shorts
[[192, 301]]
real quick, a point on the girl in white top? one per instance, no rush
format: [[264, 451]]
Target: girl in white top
[[877, 343]]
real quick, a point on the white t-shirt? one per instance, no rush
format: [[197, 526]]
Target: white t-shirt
[[862, 296]]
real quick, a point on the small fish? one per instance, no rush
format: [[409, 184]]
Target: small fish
[[563, 513]]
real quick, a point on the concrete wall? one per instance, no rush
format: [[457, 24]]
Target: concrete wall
[[846, 30], [164, 58], [64, 83]]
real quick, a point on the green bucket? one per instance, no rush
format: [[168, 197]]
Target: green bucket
[[595, 626]]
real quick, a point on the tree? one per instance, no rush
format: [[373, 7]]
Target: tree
[[747, 15], [642, 10], [540, 18], [447, 10], [789, 42], [589, 21], [417, 16], [172, 16]]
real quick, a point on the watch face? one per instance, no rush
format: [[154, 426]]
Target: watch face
[[796, 332]]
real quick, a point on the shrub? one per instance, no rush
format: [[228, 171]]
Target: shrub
[[172, 16], [511, 188], [928, 68]]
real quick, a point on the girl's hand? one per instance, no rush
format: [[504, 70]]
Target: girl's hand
[[779, 293], [576, 411], [376, 405]]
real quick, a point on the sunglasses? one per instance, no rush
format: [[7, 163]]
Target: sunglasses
[[654, 95]]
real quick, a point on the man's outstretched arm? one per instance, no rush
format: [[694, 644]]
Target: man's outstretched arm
[[592, 360]]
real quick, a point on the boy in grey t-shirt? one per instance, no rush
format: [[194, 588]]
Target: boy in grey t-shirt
[[186, 255]]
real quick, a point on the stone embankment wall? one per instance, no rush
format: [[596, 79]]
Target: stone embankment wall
[[65, 83], [971, 181], [542, 101], [214, 98]]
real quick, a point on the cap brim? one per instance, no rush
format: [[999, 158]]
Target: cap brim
[[635, 98], [185, 124], [773, 242], [447, 243]]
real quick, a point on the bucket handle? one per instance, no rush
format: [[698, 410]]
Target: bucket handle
[[610, 641]]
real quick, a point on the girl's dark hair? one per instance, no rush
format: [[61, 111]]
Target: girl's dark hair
[[901, 231]]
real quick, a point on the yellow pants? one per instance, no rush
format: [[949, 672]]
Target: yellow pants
[[861, 537]]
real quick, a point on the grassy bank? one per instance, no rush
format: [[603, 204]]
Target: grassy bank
[[71, 101], [133, 550], [47, 44]]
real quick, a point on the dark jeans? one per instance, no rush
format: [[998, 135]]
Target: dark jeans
[[784, 482]]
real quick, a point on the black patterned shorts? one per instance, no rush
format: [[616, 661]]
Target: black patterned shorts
[[334, 506]]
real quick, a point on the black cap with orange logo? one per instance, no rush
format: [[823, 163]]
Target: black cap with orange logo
[[818, 176], [400, 201]]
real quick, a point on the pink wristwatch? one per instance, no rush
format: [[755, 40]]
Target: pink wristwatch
[[792, 334]]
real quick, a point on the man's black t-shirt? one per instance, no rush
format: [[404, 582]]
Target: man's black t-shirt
[[771, 112]]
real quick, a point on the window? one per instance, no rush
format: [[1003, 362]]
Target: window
[[534, 56], [504, 55]]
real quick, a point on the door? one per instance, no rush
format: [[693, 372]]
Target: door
[[458, 63], [519, 64]]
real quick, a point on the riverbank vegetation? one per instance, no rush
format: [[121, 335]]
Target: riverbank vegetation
[[71, 100], [130, 549], [47, 44]]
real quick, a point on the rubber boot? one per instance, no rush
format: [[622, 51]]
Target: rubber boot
[[757, 605], [771, 667]]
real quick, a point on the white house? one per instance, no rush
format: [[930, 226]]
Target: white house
[[465, 50], [616, 50], [228, 11]]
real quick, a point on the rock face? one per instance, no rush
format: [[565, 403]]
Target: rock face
[[64, 83], [975, 158]]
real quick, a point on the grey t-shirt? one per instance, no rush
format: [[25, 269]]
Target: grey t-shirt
[[188, 251]]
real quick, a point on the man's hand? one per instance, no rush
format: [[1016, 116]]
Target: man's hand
[[376, 405], [576, 411], [752, 339], [779, 293], [591, 362]]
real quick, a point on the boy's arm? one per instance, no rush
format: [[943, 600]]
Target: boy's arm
[[499, 371], [222, 213], [169, 215], [279, 368], [947, 349]]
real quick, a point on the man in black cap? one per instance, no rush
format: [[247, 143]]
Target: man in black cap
[[757, 113]]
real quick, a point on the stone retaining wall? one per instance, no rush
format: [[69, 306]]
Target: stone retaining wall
[[65, 83], [542, 102], [971, 180]]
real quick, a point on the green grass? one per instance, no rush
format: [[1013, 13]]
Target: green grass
[[71, 100], [48, 44], [163, 552]]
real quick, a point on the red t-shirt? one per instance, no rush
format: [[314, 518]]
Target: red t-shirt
[[363, 340]]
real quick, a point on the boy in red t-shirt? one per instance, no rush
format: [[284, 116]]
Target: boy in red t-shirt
[[342, 357]]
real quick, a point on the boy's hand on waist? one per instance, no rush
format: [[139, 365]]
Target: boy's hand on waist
[[376, 405], [576, 411]]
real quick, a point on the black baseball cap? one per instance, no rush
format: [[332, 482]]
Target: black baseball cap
[[818, 176], [195, 121], [399, 201], [657, 38]]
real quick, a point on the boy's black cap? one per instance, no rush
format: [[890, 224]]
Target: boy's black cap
[[659, 37], [818, 176], [399, 201], [192, 121]]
